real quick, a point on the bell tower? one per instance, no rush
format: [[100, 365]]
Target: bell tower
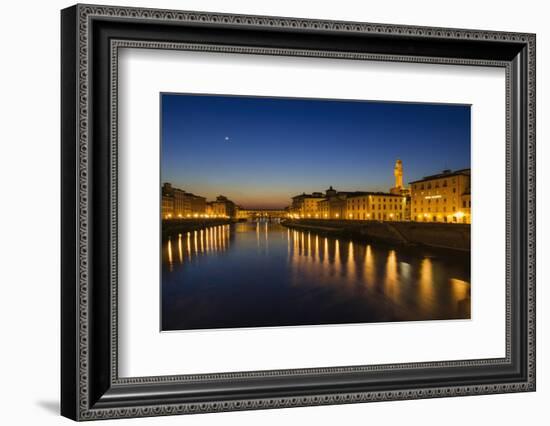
[[398, 189], [398, 173]]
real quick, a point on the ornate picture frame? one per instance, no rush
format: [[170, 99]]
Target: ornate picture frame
[[91, 37]]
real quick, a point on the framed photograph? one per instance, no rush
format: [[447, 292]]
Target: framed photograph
[[263, 212]]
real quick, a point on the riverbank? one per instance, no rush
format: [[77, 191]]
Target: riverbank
[[437, 235], [175, 226]]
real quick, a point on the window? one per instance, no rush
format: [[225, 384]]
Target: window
[[463, 203]]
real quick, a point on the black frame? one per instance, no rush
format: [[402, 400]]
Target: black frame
[[90, 386]]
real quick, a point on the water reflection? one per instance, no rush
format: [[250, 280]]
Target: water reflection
[[197, 243], [392, 287], [254, 274], [369, 268]]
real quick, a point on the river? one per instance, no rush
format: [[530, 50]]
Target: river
[[254, 274]]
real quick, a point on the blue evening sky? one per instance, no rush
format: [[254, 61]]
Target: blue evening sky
[[259, 152]]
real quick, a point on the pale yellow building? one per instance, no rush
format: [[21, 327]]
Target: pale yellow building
[[306, 205], [444, 197], [178, 204], [334, 207], [323, 208], [223, 207], [167, 207], [377, 206]]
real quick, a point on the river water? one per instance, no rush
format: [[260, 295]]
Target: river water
[[255, 274]]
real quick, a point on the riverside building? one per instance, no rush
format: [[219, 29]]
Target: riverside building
[[444, 197], [306, 205], [179, 204], [356, 205], [377, 206], [223, 207]]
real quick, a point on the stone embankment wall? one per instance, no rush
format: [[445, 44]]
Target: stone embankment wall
[[175, 226], [440, 235]]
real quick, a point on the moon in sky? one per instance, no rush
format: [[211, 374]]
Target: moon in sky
[[227, 138]]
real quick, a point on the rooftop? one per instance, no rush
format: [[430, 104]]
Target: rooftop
[[444, 174], [359, 194]]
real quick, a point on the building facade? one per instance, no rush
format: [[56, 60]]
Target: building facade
[[377, 206], [178, 204], [223, 207], [306, 205], [444, 197], [167, 207]]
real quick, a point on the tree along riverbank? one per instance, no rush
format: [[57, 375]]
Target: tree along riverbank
[[437, 235]]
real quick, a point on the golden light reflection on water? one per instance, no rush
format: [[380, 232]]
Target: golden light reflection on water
[[391, 284], [200, 242], [317, 246], [351, 263], [369, 266], [461, 292], [355, 262], [426, 281], [460, 288], [337, 264], [170, 262], [313, 260]]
